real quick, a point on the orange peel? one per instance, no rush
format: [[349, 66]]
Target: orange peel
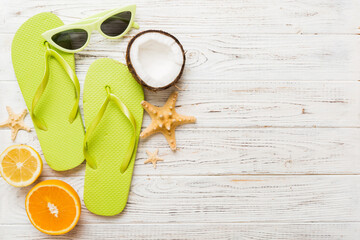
[[53, 207]]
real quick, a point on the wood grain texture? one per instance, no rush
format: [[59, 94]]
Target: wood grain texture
[[239, 57], [256, 148], [275, 152], [233, 104], [210, 16], [216, 199], [238, 151], [320, 231]]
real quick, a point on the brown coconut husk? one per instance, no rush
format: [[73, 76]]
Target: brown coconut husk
[[133, 71]]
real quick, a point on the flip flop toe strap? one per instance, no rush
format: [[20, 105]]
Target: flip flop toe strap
[[70, 72], [131, 149]]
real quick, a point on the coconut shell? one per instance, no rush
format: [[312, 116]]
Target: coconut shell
[[133, 71]]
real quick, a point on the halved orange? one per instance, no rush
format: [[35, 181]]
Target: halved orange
[[20, 165], [53, 207]]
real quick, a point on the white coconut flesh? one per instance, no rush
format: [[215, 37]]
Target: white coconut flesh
[[156, 58]]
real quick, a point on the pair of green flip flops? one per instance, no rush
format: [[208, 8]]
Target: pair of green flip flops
[[112, 111]]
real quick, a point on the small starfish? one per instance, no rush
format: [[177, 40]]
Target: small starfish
[[165, 119], [153, 157], [15, 122]]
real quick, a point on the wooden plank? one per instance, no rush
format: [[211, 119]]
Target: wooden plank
[[231, 104], [226, 199], [225, 149], [238, 151], [211, 16], [315, 151], [237, 57], [274, 85], [321, 231]]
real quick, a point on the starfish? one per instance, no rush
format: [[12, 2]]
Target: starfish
[[153, 157], [165, 119], [15, 122]]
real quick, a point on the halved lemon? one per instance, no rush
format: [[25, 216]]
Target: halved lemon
[[53, 207], [20, 165]]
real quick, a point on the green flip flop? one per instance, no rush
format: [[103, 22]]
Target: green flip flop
[[113, 118], [51, 91]]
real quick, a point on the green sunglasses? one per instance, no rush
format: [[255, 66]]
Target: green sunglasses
[[75, 37]]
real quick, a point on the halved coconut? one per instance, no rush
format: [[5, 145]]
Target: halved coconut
[[156, 59]]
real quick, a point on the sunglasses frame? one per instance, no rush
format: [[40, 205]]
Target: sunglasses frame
[[90, 24]]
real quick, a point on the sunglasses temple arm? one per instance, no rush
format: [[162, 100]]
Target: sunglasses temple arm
[[135, 25]]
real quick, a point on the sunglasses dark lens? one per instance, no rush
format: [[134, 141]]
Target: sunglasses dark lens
[[71, 39], [117, 24]]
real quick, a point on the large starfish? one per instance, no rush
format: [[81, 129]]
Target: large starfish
[[15, 122], [165, 119], [153, 157]]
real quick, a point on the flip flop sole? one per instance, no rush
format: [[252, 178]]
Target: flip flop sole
[[106, 190], [62, 142]]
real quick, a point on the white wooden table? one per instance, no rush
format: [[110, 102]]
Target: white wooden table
[[275, 153]]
